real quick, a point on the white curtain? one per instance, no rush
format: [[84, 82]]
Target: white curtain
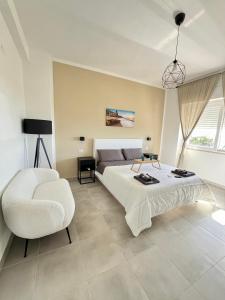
[[193, 98]]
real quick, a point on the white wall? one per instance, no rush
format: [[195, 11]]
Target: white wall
[[12, 105], [38, 85], [208, 165], [38, 81], [26, 90], [170, 131]]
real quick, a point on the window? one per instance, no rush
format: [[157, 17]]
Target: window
[[209, 133], [222, 135]]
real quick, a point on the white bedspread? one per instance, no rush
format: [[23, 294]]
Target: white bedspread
[[142, 202]]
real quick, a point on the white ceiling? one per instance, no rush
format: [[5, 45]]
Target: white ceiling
[[130, 38]]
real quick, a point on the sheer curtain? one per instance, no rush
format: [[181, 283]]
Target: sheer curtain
[[192, 98]]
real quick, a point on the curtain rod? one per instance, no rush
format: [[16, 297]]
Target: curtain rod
[[205, 76]]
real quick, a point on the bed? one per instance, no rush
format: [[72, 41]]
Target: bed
[[142, 203]]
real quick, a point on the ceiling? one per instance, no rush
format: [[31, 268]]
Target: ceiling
[[131, 38]]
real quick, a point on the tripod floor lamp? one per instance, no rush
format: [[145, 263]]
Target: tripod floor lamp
[[39, 127]]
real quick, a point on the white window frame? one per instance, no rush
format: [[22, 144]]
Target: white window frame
[[220, 123], [222, 119]]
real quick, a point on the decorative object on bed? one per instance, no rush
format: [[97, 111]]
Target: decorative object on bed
[[86, 164], [174, 74], [110, 155], [193, 98], [154, 162], [182, 173], [146, 179], [132, 153], [119, 117]]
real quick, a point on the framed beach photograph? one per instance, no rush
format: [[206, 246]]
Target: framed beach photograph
[[119, 117]]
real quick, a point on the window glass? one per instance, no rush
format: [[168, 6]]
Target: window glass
[[207, 131]]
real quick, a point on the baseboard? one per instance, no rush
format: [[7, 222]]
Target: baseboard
[[72, 179], [3, 258], [215, 184]]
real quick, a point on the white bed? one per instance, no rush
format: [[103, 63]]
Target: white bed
[[142, 202]]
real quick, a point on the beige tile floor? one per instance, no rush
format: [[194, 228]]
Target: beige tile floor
[[182, 257]]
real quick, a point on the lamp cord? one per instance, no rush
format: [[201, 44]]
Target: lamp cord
[[178, 33]]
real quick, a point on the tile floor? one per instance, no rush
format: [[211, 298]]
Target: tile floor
[[182, 257]]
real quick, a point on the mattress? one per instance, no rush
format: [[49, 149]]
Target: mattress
[[102, 165]]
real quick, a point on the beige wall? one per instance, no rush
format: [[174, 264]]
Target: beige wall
[[80, 100]]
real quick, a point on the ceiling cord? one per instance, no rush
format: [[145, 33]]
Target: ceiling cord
[[178, 33]]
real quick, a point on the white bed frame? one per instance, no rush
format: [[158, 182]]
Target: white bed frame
[[115, 144]]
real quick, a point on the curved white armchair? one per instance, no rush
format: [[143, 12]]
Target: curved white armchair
[[37, 203]]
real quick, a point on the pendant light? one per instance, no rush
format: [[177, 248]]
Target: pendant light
[[174, 74]]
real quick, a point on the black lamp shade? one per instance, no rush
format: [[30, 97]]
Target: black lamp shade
[[35, 126]]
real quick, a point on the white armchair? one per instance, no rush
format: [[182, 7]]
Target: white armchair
[[37, 203]]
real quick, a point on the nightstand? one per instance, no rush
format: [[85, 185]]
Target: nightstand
[[86, 164], [151, 156]]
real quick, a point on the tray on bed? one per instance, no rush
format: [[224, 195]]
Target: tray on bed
[[182, 173], [142, 179]]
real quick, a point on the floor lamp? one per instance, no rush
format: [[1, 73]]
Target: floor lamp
[[39, 127]]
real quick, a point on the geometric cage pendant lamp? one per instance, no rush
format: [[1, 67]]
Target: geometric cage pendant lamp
[[174, 74]]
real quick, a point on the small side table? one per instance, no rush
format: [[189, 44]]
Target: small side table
[[86, 164], [140, 162]]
